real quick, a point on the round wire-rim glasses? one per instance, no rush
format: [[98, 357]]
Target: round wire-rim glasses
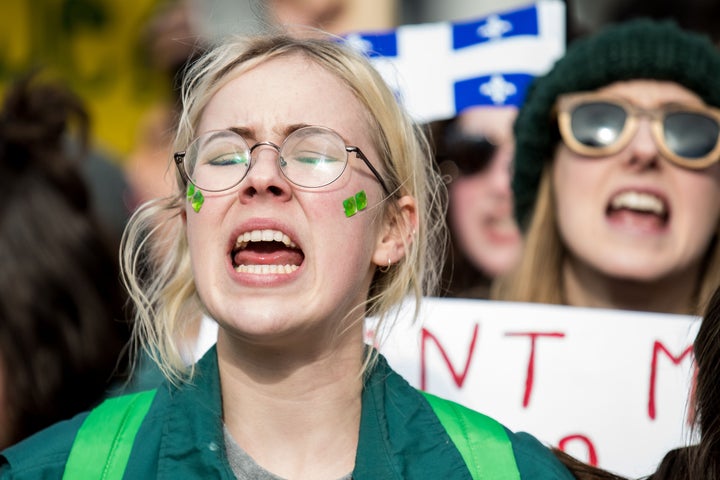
[[310, 157]]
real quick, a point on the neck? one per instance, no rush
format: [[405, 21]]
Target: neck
[[585, 286], [297, 414]]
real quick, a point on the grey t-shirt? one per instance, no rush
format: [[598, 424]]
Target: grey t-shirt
[[245, 468]]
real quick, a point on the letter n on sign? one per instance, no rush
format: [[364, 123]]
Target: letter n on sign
[[459, 378]]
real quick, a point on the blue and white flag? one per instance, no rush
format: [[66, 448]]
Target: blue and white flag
[[439, 69]]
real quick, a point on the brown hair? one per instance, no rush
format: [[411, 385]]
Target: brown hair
[[61, 303]]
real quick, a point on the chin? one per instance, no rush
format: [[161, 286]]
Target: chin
[[495, 263], [636, 272]]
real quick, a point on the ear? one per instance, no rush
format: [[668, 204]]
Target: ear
[[397, 233]]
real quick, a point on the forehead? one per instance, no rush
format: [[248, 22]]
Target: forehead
[[490, 121], [649, 93], [282, 91]]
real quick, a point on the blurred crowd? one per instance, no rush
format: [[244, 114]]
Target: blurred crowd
[[601, 190]]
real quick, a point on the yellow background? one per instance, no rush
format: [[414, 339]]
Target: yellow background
[[96, 48]]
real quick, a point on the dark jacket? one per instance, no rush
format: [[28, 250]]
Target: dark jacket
[[182, 437]]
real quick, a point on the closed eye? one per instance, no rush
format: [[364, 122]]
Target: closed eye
[[314, 158], [228, 159]]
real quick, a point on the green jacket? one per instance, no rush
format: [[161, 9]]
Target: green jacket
[[181, 437]]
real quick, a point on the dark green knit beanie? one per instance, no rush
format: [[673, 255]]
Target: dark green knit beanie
[[639, 49]]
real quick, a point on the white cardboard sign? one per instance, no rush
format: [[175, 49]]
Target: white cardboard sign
[[609, 387]]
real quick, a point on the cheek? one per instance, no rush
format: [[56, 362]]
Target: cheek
[[354, 238], [563, 188], [343, 204], [460, 207], [201, 224], [467, 188], [700, 207], [464, 193], [574, 181]]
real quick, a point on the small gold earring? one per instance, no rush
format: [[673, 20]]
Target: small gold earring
[[385, 269]]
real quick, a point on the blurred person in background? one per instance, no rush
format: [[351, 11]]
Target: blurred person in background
[[171, 41], [62, 322], [617, 174], [474, 154]]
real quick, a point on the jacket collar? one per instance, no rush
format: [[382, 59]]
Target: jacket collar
[[192, 444], [400, 436]]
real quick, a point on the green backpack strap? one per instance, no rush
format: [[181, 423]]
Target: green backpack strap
[[105, 439], [482, 442]]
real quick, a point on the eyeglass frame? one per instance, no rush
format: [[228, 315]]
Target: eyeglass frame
[[179, 158], [565, 104]]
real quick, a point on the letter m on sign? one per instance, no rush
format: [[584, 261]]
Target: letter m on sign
[[658, 347]]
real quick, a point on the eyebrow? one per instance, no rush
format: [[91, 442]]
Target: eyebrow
[[249, 134], [217, 134]]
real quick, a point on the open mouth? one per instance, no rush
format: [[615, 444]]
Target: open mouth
[[639, 208], [501, 228], [266, 252]]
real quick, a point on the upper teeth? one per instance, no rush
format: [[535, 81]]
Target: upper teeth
[[263, 236], [639, 201]]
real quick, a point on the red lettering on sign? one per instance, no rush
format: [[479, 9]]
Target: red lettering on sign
[[657, 348], [592, 458], [370, 337], [458, 378], [693, 397], [530, 376]]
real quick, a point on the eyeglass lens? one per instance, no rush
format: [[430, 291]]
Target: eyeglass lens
[[598, 124], [309, 157], [313, 157], [688, 134]]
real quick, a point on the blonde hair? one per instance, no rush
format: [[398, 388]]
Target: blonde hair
[[155, 256], [538, 276]]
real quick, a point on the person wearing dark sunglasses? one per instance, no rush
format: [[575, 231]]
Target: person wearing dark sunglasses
[[617, 173], [473, 152]]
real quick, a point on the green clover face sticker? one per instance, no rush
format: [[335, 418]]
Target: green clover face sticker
[[350, 206], [195, 197], [354, 204], [361, 200]]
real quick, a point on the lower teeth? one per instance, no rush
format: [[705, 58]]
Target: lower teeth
[[266, 269]]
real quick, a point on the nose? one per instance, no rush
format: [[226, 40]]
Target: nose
[[264, 178], [643, 149], [500, 172]]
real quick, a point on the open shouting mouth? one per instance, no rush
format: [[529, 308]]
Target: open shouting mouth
[[639, 209], [265, 252]]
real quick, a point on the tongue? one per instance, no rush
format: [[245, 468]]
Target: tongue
[[268, 253], [638, 220]]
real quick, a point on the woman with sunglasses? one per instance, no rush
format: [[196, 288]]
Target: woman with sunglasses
[[474, 152], [617, 174], [306, 200]]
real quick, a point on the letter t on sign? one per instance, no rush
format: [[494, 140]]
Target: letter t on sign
[[531, 362]]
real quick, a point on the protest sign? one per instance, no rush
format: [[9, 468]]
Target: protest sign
[[609, 387]]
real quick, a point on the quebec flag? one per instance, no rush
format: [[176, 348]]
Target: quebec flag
[[439, 69]]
